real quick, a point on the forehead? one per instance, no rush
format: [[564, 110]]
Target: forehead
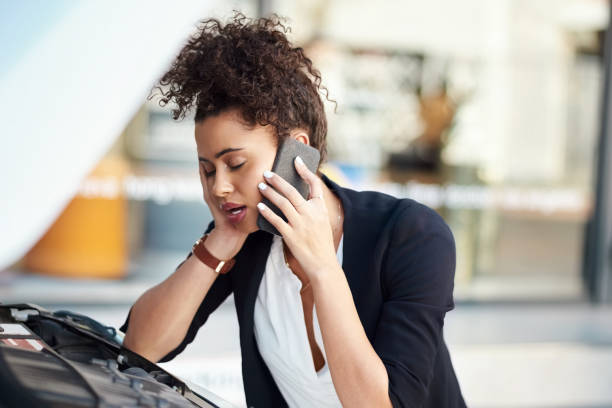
[[227, 130]]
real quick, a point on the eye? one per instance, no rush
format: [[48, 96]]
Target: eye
[[236, 167], [212, 172], [207, 173]]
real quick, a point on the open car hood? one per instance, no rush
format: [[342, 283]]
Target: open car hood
[[70, 360]]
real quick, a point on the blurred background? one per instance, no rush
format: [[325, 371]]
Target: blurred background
[[493, 112]]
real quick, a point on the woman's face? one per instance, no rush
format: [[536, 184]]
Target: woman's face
[[232, 159]]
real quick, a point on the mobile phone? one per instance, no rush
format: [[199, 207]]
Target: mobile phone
[[284, 166]]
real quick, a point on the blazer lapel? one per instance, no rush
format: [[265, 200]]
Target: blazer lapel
[[360, 232], [253, 266], [349, 262]]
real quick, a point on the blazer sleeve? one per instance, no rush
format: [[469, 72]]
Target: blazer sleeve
[[418, 278], [219, 291]]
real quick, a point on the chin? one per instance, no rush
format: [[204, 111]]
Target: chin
[[249, 225]]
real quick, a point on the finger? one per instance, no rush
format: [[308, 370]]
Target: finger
[[285, 188], [280, 201], [314, 182], [274, 219]]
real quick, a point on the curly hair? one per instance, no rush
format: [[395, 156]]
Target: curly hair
[[249, 65]]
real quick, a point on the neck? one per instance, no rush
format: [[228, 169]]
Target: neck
[[335, 212]]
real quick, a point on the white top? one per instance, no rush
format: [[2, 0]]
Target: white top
[[281, 335]]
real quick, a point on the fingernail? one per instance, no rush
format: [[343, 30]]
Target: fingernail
[[299, 161], [262, 186], [261, 206], [268, 174]]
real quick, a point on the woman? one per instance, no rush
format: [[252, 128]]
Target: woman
[[347, 307]]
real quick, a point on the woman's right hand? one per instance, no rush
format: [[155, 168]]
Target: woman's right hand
[[225, 240]]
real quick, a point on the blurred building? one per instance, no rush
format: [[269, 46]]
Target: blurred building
[[487, 111]]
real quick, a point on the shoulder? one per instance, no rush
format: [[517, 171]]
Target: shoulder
[[416, 247], [416, 231], [415, 220], [371, 210], [420, 257], [397, 218]]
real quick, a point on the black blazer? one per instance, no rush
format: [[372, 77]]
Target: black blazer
[[399, 260]]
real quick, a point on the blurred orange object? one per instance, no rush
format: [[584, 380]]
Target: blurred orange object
[[89, 238]]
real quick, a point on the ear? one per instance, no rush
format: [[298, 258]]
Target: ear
[[300, 135]]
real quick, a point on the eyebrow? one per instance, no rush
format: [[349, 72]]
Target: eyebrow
[[221, 153]]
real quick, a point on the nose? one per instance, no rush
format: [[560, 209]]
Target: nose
[[222, 185]]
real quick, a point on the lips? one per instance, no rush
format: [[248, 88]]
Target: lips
[[230, 206], [234, 212]]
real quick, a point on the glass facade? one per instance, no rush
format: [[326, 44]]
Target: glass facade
[[486, 111]]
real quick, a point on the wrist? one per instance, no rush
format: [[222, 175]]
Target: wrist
[[222, 246], [324, 275], [200, 251]]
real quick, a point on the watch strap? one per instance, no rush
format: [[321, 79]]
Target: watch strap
[[219, 266]]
